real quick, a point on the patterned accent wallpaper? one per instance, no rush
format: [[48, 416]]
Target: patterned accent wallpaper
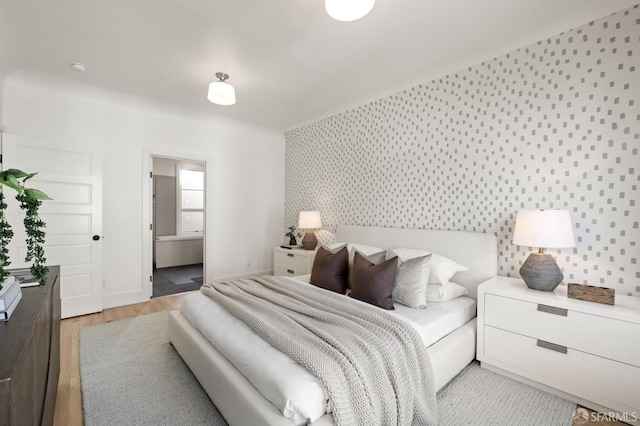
[[552, 125]]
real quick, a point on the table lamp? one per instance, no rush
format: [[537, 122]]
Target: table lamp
[[542, 229], [309, 221]]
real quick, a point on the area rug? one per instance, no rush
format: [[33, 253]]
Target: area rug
[[481, 397], [131, 375]]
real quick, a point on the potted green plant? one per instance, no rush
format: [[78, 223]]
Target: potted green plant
[[293, 233], [30, 200]]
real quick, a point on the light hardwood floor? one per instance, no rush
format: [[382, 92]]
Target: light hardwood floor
[[69, 399]]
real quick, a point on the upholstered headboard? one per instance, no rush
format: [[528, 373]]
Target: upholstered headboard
[[477, 251]]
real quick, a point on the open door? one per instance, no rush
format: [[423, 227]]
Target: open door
[[178, 225]]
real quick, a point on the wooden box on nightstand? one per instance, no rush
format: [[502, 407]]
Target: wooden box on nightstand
[[584, 351], [292, 262]]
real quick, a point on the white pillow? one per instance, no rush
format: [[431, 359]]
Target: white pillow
[[332, 247], [409, 253], [364, 249], [444, 293], [442, 268]]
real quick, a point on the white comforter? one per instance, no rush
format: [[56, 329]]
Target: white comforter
[[285, 383]]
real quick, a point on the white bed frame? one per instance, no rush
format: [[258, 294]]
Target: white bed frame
[[242, 405]]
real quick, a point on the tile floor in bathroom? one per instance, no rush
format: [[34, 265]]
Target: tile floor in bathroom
[[177, 279]]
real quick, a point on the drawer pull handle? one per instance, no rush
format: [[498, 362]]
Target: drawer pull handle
[[289, 271], [289, 254], [552, 310], [552, 346]]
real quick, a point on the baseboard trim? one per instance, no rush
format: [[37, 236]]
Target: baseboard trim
[[126, 298], [131, 297]]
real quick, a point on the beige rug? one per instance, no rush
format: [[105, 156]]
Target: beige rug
[[132, 376]]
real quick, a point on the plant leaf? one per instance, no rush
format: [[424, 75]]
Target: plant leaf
[[36, 194], [10, 181], [27, 177], [17, 173]]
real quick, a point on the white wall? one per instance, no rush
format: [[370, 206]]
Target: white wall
[[1, 101], [245, 182]]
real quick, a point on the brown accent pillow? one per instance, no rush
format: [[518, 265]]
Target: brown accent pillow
[[331, 269], [375, 258], [374, 283]]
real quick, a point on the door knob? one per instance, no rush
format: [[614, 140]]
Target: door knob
[[96, 237]]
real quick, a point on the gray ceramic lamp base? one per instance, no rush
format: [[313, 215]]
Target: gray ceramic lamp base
[[309, 242], [541, 272]]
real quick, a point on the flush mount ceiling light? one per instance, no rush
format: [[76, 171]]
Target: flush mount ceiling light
[[221, 92], [348, 10], [78, 66]]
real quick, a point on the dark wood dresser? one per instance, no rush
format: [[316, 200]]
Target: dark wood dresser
[[30, 356]]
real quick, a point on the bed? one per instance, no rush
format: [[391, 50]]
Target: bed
[[240, 402]]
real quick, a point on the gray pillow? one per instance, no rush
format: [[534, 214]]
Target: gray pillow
[[412, 278]]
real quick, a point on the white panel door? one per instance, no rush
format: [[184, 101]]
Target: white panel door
[[72, 177]]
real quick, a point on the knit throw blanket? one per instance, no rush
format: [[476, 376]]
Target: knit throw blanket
[[374, 366]]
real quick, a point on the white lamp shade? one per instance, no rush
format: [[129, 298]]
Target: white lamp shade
[[309, 220], [348, 10], [543, 228], [221, 93]]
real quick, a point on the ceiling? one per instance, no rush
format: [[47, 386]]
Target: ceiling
[[289, 62]]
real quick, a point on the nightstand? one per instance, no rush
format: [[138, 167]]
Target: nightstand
[[584, 351], [292, 262]]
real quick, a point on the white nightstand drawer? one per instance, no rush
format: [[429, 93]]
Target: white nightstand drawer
[[576, 330], [292, 261], [283, 272], [574, 372]]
